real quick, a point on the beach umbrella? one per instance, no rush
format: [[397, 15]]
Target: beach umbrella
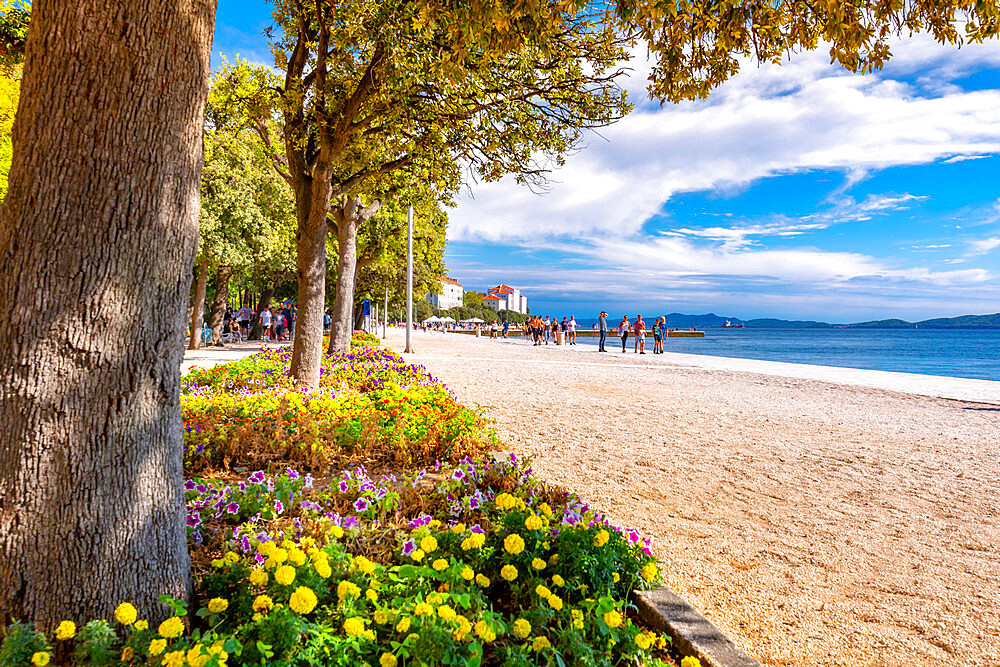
[[474, 320], [432, 319], [447, 319]]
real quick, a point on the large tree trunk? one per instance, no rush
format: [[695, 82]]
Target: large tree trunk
[[97, 235], [310, 242], [265, 301], [198, 311], [349, 218], [220, 302]]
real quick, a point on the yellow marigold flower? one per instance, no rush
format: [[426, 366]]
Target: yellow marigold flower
[[577, 619], [172, 627], [485, 632], [538, 564], [434, 523], [617, 577], [540, 644], [297, 556], [553, 559], [363, 564], [262, 603], [196, 658], [258, 577], [545, 509], [354, 626], [127, 653], [279, 555], [285, 575], [514, 544], [521, 628], [645, 640], [533, 522], [265, 548], [423, 609], [542, 591], [555, 602], [142, 625], [690, 661], [403, 625], [387, 660], [649, 571], [483, 580], [173, 659], [40, 658], [468, 573], [347, 588], [558, 581], [601, 538], [218, 605], [303, 600], [458, 528], [613, 619], [429, 544], [156, 646], [440, 565], [372, 594], [435, 598], [126, 613], [508, 572], [381, 617], [337, 532], [417, 555], [323, 568], [446, 613], [66, 630]]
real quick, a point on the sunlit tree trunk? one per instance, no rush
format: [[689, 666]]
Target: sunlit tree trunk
[[220, 302], [97, 236], [349, 218], [198, 308]]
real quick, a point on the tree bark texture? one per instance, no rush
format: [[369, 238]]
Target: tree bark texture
[[349, 218], [97, 236], [198, 308], [220, 302], [310, 242]]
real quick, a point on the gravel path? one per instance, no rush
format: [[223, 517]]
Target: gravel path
[[815, 523]]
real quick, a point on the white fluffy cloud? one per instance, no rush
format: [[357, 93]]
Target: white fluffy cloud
[[770, 120]]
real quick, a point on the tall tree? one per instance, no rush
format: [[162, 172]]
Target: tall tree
[[375, 91], [97, 236]]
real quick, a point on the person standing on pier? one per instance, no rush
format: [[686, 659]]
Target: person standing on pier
[[572, 330], [623, 328], [602, 328]]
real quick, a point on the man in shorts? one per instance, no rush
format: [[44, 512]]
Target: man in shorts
[[640, 335]]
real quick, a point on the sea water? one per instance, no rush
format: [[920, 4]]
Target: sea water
[[964, 353]]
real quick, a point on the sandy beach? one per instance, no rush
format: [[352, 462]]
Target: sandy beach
[[815, 520]]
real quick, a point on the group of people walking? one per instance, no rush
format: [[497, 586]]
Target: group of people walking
[[538, 329], [276, 323], [638, 329]]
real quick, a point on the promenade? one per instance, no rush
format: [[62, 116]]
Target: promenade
[[819, 516]]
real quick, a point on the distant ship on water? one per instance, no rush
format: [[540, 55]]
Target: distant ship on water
[[730, 325]]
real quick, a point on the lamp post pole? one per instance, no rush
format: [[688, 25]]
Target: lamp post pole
[[409, 279], [385, 312]]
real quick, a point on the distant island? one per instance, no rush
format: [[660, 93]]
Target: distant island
[[681, 320]]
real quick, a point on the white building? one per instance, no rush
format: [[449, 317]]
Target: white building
[[505, 297], [452, 295]]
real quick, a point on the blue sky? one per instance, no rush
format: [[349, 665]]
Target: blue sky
[[798, 191]]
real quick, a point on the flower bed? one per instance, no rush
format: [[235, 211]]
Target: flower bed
[[475, 563]]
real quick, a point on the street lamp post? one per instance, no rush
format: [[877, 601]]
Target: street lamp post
[[409, 279]]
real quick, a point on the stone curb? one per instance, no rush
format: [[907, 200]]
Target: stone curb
[[693, 634]]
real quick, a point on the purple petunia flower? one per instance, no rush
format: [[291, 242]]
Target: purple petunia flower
[[361, 504], [292, 474], [308, 481], [343, 486], [233, 508], [351, 522], [259, 558], [458, 474], [257, 477], [278, 507], [476, 529], [409, 546]]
